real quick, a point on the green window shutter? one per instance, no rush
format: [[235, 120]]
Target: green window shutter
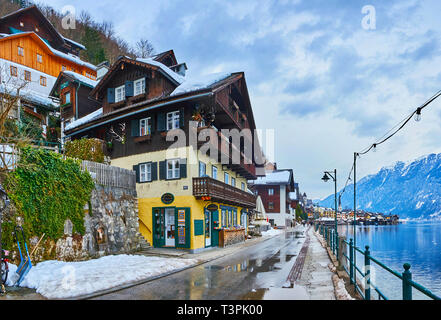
[[183, 168], [152, 119], [181, 118], [162, 170], [135, 128], [136, 169], [161, 122], [154, 171], [199, 228], [146, 85]]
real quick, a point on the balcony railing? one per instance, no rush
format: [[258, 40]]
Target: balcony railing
[[221, 192]]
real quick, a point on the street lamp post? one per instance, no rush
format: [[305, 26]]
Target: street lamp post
[[326, 179]]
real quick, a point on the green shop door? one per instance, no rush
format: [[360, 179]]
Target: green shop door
[[214, 231], [158, 227], [183, 228]]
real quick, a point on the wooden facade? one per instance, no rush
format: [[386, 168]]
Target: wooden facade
[[32, 46]]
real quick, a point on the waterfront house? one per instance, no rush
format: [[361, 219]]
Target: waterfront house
[[188, 198]]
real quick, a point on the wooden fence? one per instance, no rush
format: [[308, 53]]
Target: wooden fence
[[110, 176]]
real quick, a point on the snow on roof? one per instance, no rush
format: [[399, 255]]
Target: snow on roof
[[275, 177], [60, 54], [74, 42], [193, 83], [85, 119], [176, 77], [81, 78]]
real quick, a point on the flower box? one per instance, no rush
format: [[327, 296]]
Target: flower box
[[143, 138]]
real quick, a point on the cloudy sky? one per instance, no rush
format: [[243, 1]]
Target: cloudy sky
[[328, 85]]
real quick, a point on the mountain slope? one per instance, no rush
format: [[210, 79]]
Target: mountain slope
[[410, 190]]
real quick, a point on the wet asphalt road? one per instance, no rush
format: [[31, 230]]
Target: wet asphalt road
[[256, 272]]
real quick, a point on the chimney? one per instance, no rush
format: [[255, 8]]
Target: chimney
[[102, 69]]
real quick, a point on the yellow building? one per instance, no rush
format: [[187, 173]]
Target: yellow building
[[189, 197]]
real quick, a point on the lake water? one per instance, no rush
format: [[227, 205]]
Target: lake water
[[416, 243]]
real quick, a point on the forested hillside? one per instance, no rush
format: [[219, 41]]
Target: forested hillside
[[98, 37]]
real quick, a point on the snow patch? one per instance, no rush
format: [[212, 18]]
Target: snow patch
[[85, 119], [61, 280]]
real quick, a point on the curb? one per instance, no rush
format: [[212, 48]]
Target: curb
[[159, 276]]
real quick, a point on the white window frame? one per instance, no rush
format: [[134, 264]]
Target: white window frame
[[173, 120], [20, 51], [39, 58], [145, 172], [120, 94], [214, 172], [270, 192], [226, 177], [67, 94], [175, 171], [146, 124], [204, 166], [141, 89]]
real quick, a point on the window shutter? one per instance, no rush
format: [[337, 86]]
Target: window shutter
[[162, 170], [183, 168], [161, 122], [152, 119], [146, 85], [154, 171], [129, 89], [111, 95], [135, 128], [136, 169], [181, 118]]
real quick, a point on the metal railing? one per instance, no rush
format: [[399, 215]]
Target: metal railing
[[365, 288]]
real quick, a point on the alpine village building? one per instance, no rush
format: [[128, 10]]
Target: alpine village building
[[187, 198], [32, 55], [276, 190]]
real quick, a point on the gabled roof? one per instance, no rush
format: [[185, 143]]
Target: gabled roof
[[40, 16], [49, 49], [160, 57], [277, 177], [72, 76], [155, 103], [148, 63]]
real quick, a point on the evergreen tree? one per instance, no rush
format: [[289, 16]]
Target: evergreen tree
[[92, 41]]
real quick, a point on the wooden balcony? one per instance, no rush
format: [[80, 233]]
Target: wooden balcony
[[221, 192]]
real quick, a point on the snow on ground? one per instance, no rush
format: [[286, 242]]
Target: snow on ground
[[57, 279], [272, 232]]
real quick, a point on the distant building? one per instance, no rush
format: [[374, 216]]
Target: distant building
[[275, 189]]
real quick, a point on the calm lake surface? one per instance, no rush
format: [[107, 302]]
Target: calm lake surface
[[416, 243]]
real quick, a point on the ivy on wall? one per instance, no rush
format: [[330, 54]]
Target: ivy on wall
[[85, 149], [46, 190]]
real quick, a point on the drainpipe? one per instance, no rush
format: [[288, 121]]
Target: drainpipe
[[76, 100]]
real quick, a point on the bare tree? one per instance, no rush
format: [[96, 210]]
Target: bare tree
[[144, 48], [12, 136]]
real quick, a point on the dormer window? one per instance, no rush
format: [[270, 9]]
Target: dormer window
[[120, 93], [20, 51], [139, 86]]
